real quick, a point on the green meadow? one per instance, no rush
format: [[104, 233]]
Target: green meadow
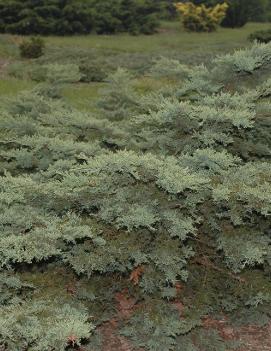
[[170, 41]]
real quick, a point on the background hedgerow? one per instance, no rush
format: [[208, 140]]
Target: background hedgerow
[[66, 17]]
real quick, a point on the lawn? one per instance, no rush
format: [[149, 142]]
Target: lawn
[[13, 86], [115, 50], [83, 96], [170, 37]]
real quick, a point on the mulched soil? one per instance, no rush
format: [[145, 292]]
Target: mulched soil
[[252, 338]]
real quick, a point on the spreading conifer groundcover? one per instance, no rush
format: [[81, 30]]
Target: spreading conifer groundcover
[[149, 221]]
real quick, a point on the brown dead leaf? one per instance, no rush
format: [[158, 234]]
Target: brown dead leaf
[[136, 275]]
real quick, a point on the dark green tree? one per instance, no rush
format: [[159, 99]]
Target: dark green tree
[[241, 11], [78, 16]]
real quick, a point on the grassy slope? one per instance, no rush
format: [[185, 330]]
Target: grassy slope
[[171, 37], [12, 86]]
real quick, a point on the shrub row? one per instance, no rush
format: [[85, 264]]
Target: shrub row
[[66, 17]]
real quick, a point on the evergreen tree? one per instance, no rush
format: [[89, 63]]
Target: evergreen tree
[[77, 16]]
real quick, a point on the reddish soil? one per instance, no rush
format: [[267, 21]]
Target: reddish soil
[[253, 338]]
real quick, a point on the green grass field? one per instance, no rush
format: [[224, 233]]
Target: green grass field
[[83, 96], [12, 86], [171, 38]]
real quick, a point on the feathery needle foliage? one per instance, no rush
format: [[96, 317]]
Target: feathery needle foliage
[[163, 197]]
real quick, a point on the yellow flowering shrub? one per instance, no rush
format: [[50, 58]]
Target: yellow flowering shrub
[[201, 18]]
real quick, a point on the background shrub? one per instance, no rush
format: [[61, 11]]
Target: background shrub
[[242, 11], [263, 36], [92, 72], [201, 18], [32, 48]]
